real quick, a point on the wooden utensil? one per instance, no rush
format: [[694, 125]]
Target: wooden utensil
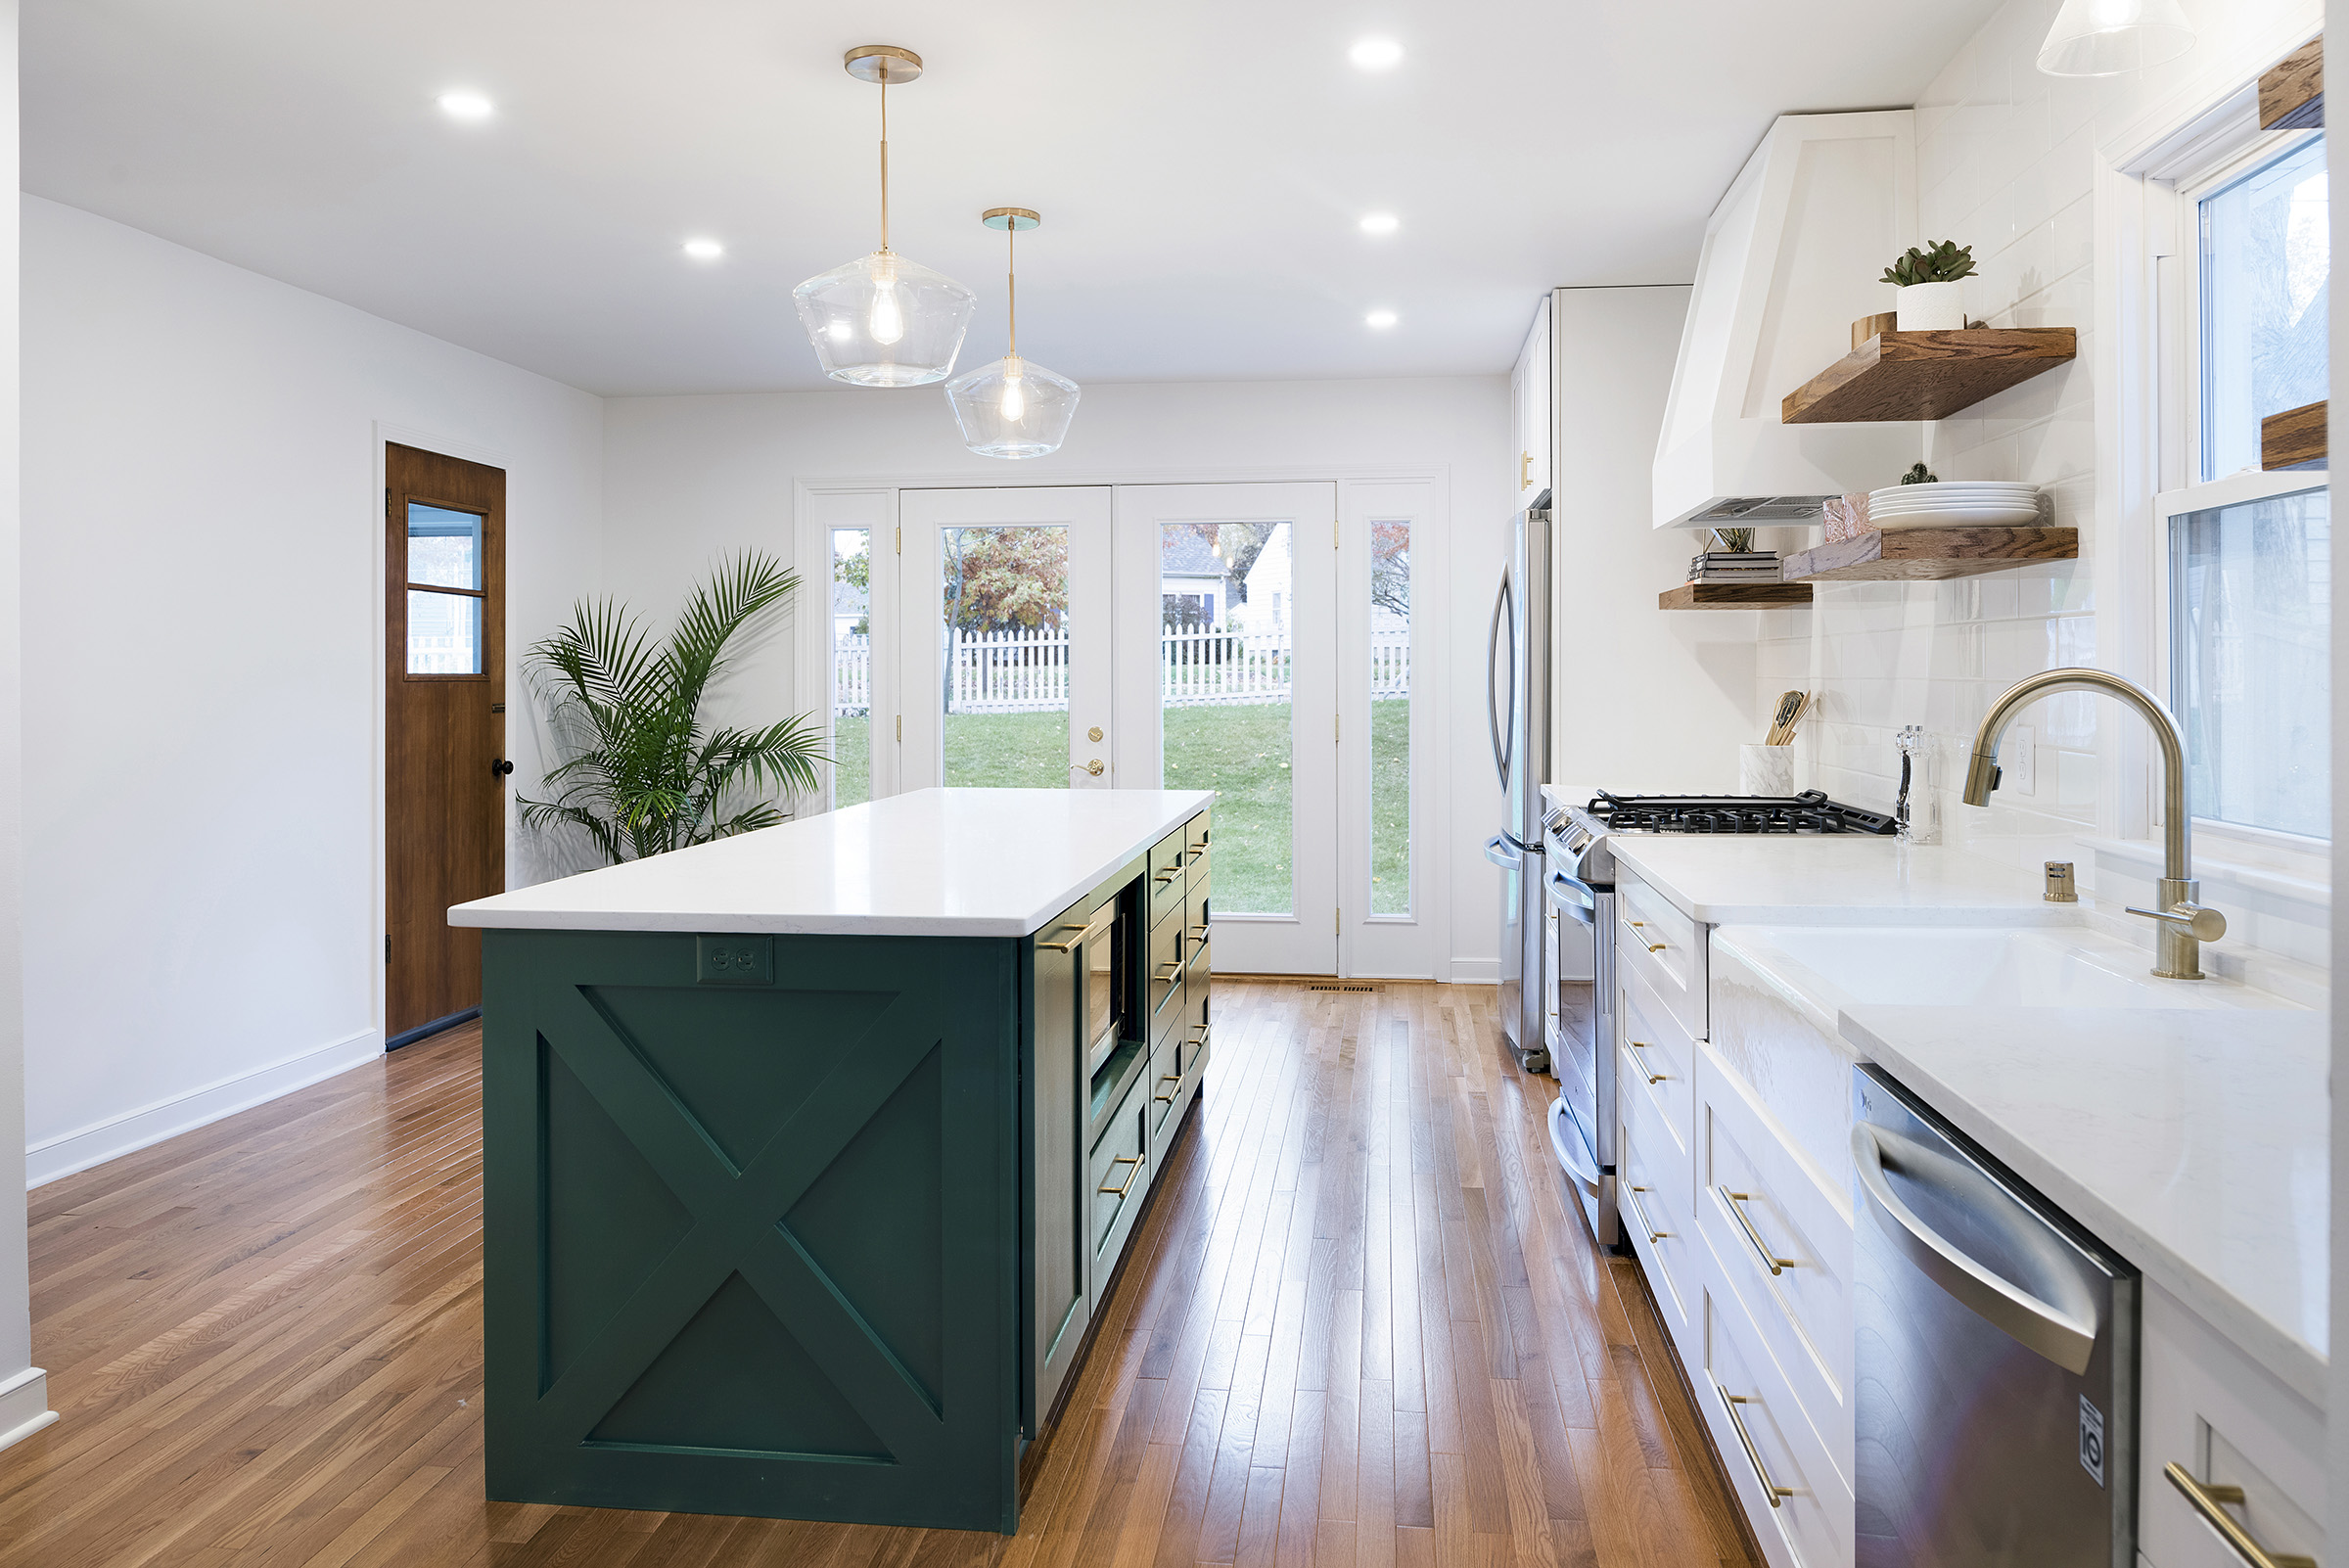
[[1790, 704]]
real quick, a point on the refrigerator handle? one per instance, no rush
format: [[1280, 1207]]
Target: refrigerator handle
[[2021, 1316], [1501, 852], [1503, 728]]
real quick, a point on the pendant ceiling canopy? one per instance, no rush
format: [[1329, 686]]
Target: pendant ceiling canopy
[[1013, 408], [882, 320]]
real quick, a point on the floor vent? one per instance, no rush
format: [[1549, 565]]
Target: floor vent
[[1341, 987]]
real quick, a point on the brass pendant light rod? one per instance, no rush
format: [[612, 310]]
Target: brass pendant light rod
[[884, 64], [1011, 220]]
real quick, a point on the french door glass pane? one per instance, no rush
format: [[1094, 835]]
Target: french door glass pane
[[852, 667], [1391, 719], [2250, 621], [444, 633], [1225, 668], [1005, 676], [2267, 253], [444, 547]]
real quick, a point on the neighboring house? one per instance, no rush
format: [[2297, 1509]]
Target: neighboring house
[[848, 609], [1194, 583], [1269, 596]]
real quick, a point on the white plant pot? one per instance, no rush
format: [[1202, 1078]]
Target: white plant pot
[[1931, 306]]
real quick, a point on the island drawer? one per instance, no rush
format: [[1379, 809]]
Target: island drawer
[[1119, 1176], [1167, 858], [1800, 1509], [1194, 904], [1195, 835], [1655, 1176], [1164, 991], [1170, 1066]]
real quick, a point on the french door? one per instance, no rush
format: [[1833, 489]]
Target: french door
[[1227, 681], [1005, 638]]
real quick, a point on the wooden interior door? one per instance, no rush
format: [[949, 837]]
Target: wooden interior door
[[444, 729]]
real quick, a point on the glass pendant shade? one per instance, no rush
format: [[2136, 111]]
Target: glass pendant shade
[[1013, 408], [2107, 37], [884, 321]]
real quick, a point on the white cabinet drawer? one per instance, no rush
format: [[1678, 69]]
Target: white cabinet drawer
[[2227, 1422], [1659, 1058], [1783, 1242], [1656, 941], [1653, 1174], [1800, 1509]]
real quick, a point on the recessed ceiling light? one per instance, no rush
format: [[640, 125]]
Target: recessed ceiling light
[[1381, 319], [1376, 54], [1378, 223], [465, 106], [703, 250]]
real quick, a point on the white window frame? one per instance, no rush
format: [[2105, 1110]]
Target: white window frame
[[2208, 155]]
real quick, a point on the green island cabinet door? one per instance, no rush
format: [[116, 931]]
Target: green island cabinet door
[[752, 1231]]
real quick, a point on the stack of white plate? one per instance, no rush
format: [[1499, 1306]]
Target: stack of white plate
[[1960, 504]]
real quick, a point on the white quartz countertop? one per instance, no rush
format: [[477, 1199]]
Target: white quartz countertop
[[2192, 1143], [1787, 880], [947, 862]]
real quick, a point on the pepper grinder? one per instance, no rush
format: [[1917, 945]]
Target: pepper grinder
[[1920, 824]]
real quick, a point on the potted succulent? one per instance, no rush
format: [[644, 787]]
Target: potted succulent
[[1929, 300]]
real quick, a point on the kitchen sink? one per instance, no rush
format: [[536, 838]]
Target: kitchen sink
[[1977, 966]]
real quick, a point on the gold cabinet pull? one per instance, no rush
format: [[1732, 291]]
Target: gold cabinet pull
[[1168, 971], [1085, 934], [1753, 1455], [1199, 933], [1770, 1260], [1175, 1079], [1639, 1213], [2206, 1496], [1651, 1077], [1135, 1161], [1173, 870], [1647, 937]]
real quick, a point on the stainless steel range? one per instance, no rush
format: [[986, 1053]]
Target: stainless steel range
[[1579, 880]]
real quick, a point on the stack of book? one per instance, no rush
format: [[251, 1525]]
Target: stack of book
[[1734, 565]]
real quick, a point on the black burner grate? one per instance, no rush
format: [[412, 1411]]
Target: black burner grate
[[1808, 812]]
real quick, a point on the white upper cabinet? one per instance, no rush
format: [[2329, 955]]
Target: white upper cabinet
[[1792, 256], [1530, 398]]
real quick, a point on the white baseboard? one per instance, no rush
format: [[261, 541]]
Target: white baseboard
[[101, 1141], [25, 1405], [1476, 971]]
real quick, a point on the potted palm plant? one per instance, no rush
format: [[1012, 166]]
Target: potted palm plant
[[643, 772]]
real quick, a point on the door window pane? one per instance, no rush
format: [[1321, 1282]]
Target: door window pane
[[444, 633], [1225, 699], [1390, 719], [444, 547], [1004, 678], [2267, 254], [2250, 617], [852, 667]]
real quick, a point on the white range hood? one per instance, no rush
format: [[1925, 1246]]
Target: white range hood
[[1792, 256]]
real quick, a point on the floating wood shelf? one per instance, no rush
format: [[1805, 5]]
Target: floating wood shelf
[[1924, 553], [1733, 595], [1926, 375], [2291, 92], [2294, 439]]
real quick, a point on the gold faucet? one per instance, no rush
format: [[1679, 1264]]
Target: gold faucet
[[2185, 923]]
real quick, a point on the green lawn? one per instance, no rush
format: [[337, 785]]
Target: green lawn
[[1241, 753]]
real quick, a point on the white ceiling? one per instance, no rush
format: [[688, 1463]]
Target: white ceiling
[[1200, 167]]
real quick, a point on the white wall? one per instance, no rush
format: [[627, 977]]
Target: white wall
[[2015, 164], [24, 1387], [202, 713], [690, 479]]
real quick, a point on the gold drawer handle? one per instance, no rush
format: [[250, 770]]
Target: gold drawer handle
[[1173, 870], [1168, 971], [1753, 1455], [1200, 1044], [1652, 1077], [1639, 1213], [1199, 933], [1133, 1160], [2206, 1496], [1646, 934], [1770, 1260], [1085, 934], [1175, 1079]]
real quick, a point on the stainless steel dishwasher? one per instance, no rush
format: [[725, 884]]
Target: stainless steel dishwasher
[[1996, 1377]]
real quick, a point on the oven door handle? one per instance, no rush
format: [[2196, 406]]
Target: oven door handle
[[1567, 1145], [2022, 1316], [1574, 896], [1502, 854]]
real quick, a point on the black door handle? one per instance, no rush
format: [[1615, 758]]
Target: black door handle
[[499, 767]]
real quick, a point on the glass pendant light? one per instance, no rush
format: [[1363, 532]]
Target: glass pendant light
[[882, 320], [1013, 408], [2107, 37]]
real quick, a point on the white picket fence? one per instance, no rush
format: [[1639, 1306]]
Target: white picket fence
[[1027, 672]]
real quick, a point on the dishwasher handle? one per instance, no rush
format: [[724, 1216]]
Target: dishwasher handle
[[2023, 1318]]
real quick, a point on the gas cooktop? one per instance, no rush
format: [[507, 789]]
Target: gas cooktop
[[1808, 812]]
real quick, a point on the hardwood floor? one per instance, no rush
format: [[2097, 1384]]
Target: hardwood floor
[[1357, 1326]]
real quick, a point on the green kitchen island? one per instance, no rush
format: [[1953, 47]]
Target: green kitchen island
[[810, 1155]]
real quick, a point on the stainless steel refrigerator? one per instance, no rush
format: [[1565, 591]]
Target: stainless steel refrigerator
[[1517, 708]]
